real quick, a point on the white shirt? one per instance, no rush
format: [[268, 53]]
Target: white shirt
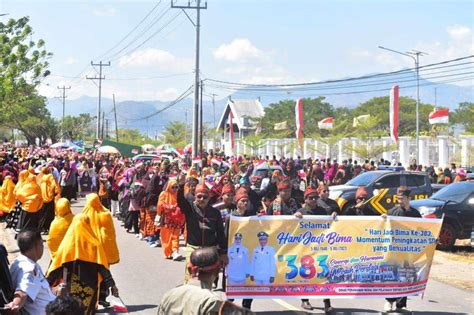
[[28, 277], [239, 264], [263, 263]]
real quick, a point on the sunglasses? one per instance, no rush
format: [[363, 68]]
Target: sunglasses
[[326, 191], [202, 196], [174, 187], [312, 198], [361, 198]]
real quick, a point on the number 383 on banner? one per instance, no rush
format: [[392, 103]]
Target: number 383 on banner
[[307, 266]]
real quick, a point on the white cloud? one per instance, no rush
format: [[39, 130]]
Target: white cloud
[[104, 12], [459, 32], [239, 50], [168, 94], [70, 61], [155, 58]]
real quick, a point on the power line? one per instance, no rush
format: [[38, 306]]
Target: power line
[[148, 38], [171, 104], [338, 80], [100, 78], [146, 29], [131, 31], [375, 83]]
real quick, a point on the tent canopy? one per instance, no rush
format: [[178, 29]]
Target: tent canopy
[[128, 150]]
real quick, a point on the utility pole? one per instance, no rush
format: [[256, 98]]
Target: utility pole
[[64, 88], [415, 55], [214, 108], [200, 120], [100, 78], [197, 25], [102, 126], [186, 126], [115, 114], [106, 128]]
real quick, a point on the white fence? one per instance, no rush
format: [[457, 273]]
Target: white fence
[[439, 151]]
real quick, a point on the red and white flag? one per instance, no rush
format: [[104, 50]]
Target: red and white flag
[[299, 121], [439, 116], [326, 123], [231, 132], [394, 113]]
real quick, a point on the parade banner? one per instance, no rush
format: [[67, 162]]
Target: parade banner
[[350, 257]]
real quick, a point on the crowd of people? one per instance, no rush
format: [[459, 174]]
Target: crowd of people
[[159, 201]]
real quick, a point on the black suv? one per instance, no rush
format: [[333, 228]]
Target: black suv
[[456, 202], [381, 185]]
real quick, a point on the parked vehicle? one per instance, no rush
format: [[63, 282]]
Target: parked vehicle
[[383, 183], [456, 203], [263, 171]]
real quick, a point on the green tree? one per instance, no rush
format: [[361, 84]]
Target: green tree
[[314, 109], [23, 64], [174, 134], [254, 143], [78, 127], [464, 115]]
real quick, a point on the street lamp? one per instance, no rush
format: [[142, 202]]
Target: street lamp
[[415, 55]]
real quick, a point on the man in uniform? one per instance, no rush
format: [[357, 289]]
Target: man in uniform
[[263, 267], [402, 210], [238, 267]]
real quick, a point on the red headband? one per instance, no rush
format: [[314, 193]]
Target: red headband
[[207, 269]]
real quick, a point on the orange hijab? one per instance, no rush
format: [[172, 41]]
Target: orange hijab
[[80, 243], [103, 227], [21, 180], [167, 197], [49, 187], [7, 197], [60, 225], [29, 195]]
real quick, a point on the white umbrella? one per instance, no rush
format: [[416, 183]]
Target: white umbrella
[[148, 147], [108, 149]]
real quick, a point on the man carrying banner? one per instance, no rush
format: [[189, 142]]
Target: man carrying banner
[[263, 267], [284, 204], [402, 210], [311, 208], [238, 269]]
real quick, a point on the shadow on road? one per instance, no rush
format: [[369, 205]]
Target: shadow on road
[[131, 309], [354, 311]]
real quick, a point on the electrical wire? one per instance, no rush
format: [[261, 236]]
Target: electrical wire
[[131, 31], [171, 104], [338, 80]]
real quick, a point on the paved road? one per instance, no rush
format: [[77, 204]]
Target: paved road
[[144, 275]]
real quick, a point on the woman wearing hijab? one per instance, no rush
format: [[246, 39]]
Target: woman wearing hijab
[[7, 198], [172, 220], [31, 202], [83, 260], [14, 219], [152, 191], [60, 225], [49, 191], [103, 227]]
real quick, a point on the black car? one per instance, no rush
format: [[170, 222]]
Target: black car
[[456, 202], [383, 184]]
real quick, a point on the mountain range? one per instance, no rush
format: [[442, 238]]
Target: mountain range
[[129, 112]]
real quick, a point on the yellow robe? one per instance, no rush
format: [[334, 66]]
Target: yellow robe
[[103, 226], [30, 195], [49, 188], [60, 225], [7, 197]]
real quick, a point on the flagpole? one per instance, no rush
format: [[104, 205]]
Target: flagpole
[[415, 55]]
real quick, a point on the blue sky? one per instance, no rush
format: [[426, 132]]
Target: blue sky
[[264, 41]]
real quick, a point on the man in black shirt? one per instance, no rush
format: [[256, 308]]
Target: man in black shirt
[[329, 205], [311, 208], [402, 210], [204, 224]]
